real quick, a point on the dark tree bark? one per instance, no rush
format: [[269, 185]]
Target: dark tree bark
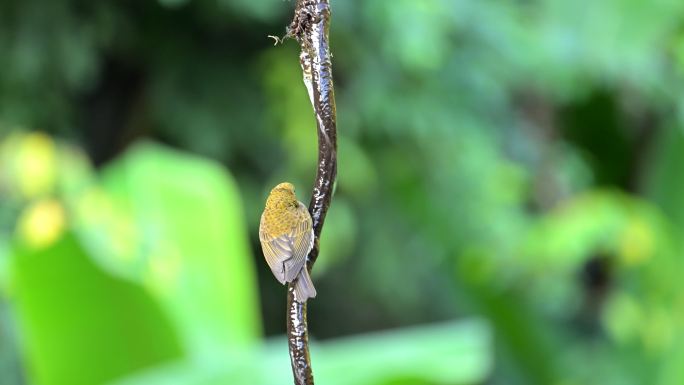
[[310, 28]]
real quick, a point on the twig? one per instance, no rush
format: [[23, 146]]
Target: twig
[[310, 28]]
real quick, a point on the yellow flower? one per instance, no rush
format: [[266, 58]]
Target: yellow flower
[[42, 223], [35, 167]]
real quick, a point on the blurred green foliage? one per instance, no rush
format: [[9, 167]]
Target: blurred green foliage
[[515, 161], [145, 265]]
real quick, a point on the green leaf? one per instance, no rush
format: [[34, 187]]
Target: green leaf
[[175, 225], [451, 353], [80, 325]]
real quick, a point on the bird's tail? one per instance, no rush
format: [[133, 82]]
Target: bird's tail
[[304, 288]]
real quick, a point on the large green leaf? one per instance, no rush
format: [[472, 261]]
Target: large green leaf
[[174, 223], [79, 325], [452, 353]]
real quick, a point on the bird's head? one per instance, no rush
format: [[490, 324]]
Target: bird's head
[[284, 187], [282, 196]]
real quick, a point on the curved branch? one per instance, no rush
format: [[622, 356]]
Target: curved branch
[[310, 27]]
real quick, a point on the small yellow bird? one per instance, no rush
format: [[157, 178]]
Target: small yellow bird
[[286, 235]]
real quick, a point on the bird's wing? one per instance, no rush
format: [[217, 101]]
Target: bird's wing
[[277, 250], [302, 240]]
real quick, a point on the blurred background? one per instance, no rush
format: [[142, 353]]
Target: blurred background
[[509, 209]]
